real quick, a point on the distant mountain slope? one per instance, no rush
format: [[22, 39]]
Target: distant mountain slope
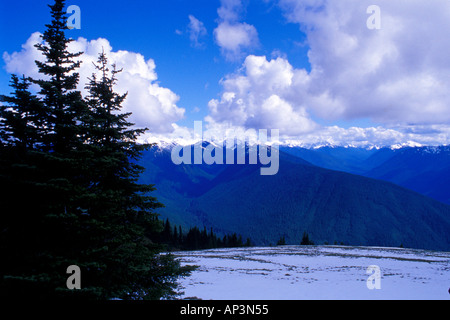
[[177, 185], [353, 160], [329, 205], [422, 169], [425, 170]]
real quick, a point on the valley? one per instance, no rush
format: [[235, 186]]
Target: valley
[[333, 206]]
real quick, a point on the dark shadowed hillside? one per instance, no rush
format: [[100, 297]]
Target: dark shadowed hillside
[[330, 205], [425, 170], [422, 169]]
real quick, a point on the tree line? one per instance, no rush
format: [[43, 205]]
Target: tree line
[[305, 241], [196, 239]]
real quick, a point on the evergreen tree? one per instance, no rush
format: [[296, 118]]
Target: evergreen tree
[[21, 206], [41, 208], [212, 239], [65, 104], [225, 242], [121, 210], [21, 124], [166, 234], [175, 239], [180, 235], [73, 195], [305, 239], [204, 240], [281, 241]]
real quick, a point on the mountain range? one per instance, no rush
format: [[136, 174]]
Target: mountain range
[[337, 195], [422, 169]]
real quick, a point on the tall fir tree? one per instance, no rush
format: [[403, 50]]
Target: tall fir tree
[[65, 104], [73, 194], [43, 170], [305, 239], [21, 122], [21, 130], [121, 210]]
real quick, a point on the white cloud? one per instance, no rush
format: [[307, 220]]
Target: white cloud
[[327, 135], [257, 97], [375, 136], [271, 94], [152, 105], [23, 62], [234, 37], [230, 10], [196, 30], [398, 74]]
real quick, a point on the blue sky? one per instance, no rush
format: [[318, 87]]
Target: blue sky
[[311, 68], [158, 30]]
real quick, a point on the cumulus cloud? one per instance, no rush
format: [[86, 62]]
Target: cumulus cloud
[[152, 105], [257, 97], [234, 37], [271, 94], [396, 76], [196, 30], [23, 62]]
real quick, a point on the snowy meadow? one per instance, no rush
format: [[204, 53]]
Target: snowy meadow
[[317, 272]]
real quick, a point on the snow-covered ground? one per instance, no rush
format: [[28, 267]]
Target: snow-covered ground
[[316, 272]]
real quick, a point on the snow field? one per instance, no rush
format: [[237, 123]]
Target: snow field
[[315, 272]]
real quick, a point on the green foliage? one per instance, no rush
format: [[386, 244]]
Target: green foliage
[[20, 118], [72, 195]]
